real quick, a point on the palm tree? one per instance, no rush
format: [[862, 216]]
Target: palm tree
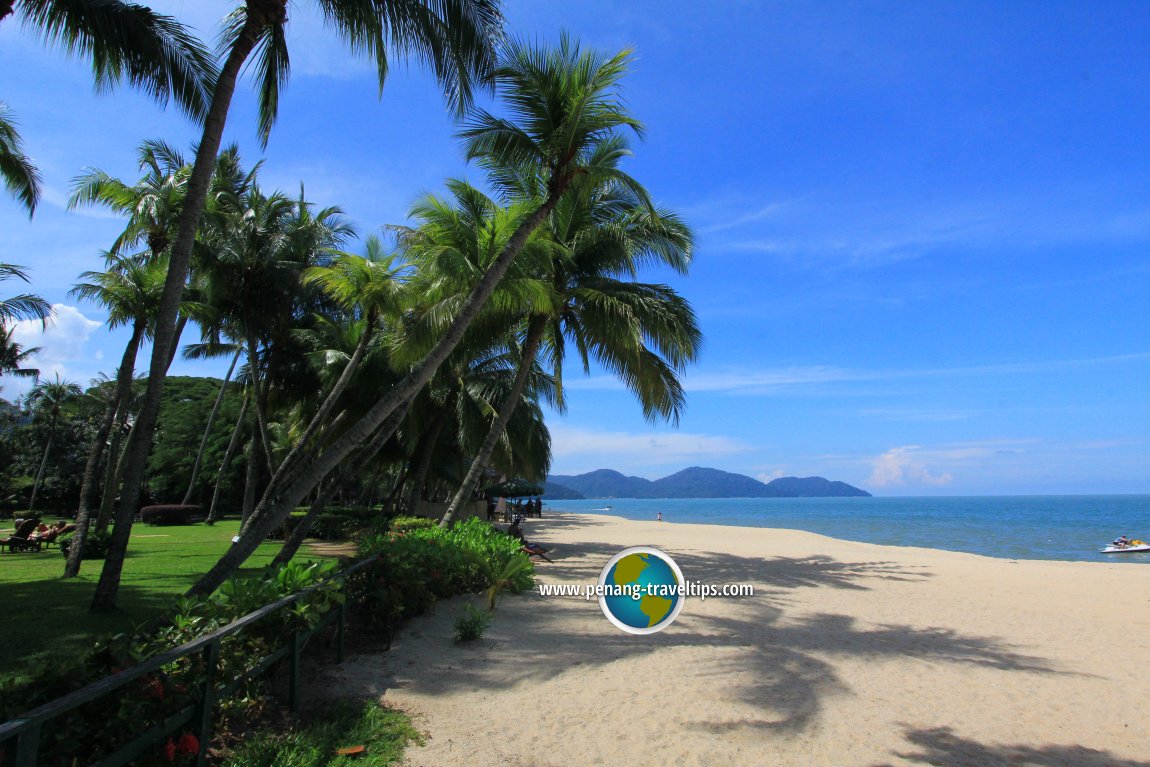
[[13, 356], [130, 290], [607, 231], [564, 102], [123, 40], [25, 306], [151, 205], [18, 172], [47, 399], [455, 38]]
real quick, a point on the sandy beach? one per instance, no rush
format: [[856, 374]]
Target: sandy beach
[[847, 654]]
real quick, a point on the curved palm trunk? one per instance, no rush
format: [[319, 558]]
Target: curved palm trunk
[[281, 496], [337, 390], [88, 484], [233, 443], [535, 331], [299, 534], [208, 431], [179, 260]]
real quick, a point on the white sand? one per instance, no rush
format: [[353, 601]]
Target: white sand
[[848, 654]]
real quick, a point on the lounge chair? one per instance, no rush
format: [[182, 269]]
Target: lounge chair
[[535, 550], [22, 539]]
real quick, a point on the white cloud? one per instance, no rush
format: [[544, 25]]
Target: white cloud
[[902, 466], [64, 346]]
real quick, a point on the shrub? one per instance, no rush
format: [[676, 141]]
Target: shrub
[[407, 524], [471, 624], [426, 564], [169, 514], [95, 547]]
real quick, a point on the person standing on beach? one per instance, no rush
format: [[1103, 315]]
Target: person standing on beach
[[659, 517]]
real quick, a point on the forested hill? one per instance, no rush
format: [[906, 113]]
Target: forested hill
[[695, 482]]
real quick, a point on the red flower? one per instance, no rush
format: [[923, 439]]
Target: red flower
[[188, 744], [170, 750]]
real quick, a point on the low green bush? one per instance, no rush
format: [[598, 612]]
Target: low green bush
[[95, 547], [417, 568], [407, 524]]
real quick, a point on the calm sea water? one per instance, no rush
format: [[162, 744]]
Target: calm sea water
[[1014, 527]]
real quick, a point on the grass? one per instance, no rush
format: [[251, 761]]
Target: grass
[[47, 616], [368, 734]]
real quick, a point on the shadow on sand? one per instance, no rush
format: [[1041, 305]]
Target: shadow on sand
[[940, 747], [779, 658]]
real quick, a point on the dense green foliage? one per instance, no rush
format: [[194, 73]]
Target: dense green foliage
[[421, 566], [187, 402]]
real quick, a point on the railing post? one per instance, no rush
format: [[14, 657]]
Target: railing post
[[207, 699], [293, 685], [28, 747]]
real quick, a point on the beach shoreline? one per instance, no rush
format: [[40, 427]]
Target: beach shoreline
[[848, 653]]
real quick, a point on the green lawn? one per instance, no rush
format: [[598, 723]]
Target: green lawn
[[46, 616]]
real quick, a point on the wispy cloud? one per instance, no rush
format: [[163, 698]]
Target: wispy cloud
[[766, 381], [829, 232]]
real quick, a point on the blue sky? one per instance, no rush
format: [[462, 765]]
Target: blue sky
[[922, 229]]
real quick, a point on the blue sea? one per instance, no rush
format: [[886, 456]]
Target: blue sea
[[1072, 527]]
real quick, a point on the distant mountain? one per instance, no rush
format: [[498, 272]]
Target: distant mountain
[[605, 483], [698, 482], [814, 487], [557, 492]]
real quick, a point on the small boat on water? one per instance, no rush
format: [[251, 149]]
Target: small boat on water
[[1134, 547]]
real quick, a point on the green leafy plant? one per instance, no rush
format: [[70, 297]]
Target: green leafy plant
[[471, 624]]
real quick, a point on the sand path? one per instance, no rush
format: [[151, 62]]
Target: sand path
[[848, 654]]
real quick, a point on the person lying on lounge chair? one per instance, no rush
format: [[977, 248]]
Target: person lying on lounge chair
[[528, 548]]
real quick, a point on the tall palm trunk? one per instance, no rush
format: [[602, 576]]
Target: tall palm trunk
[[261, 400], [233, 443], [208, 430], [252, 477], [419, 476], [535, 330], [282, 496], [88, 484], [43, 465], [179, 260], [114, 468]]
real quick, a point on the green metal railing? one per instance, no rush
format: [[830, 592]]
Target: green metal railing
[[25, 730]]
